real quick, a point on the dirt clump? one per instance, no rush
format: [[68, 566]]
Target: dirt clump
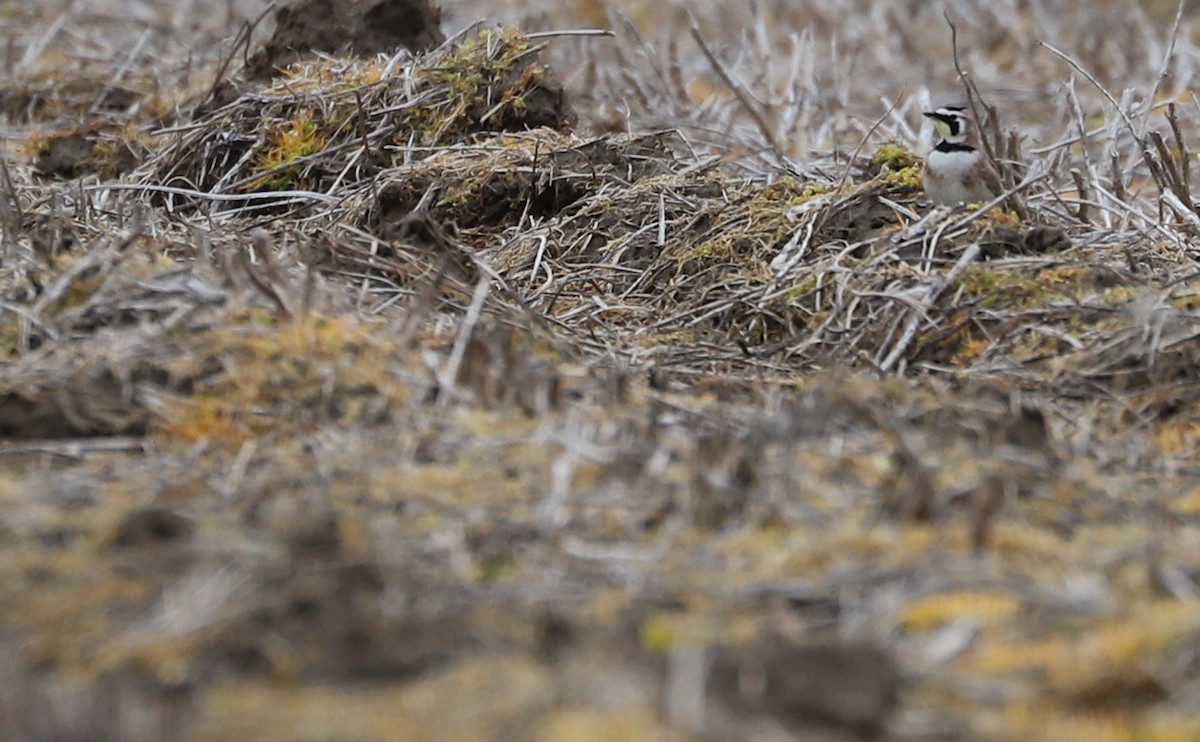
[[361, 27], [41, 98], [504, 179], [839, 684], [341, 122], [92, 149]]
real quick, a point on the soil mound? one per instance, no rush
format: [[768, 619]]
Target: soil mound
[[360, 27], [331, 123]]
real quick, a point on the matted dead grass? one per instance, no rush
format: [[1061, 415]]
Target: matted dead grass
[[379, 401]]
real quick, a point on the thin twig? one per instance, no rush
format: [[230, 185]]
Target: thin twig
[[913, 322], [737, 89]]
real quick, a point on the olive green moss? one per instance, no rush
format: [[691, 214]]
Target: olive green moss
[[479, 85], [288, 142]]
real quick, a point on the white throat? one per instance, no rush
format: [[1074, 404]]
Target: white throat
[[953, 165]]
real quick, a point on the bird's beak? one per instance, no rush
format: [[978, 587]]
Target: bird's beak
[[942, 120]]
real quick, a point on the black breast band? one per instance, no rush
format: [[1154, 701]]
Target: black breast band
[[944, 146]]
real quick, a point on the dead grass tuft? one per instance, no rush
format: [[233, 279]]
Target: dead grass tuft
[[329, 124]]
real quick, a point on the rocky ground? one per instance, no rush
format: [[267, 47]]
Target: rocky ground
[[596, 371]]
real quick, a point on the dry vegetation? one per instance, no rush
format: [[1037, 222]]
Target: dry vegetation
[[543, 386]]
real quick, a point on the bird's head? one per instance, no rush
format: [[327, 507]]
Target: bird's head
[[954, 124]]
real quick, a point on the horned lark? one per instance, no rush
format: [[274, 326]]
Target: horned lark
[[958, 169]]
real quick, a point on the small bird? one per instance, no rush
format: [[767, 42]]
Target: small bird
[[958, 170]]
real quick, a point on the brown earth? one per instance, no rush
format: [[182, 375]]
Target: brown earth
[[362, 27]]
